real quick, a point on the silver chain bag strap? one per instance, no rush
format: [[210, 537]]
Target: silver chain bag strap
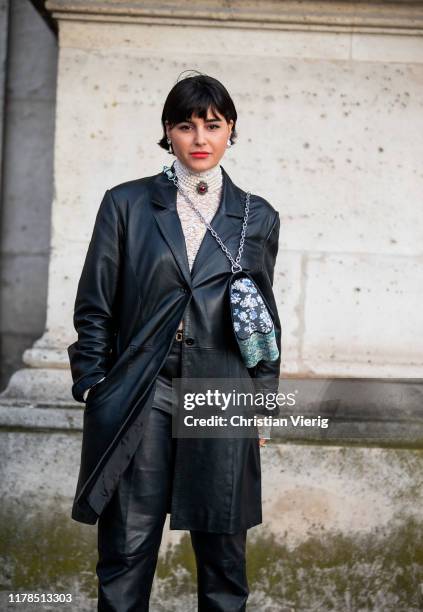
[[252, 323]]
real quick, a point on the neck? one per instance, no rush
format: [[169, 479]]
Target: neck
[[189, 179], [213, 171]]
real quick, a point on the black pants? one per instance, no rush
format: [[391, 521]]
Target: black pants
[[130, 528]]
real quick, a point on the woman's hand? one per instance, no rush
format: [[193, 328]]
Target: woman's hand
[[262, 441]]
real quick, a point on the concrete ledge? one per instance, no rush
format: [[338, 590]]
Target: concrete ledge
[[15, 414], [377, 16], [360, 412]]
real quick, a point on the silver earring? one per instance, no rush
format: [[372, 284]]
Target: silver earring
[[170, 145], [229, 144]]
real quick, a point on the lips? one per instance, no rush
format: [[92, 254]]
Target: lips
[[200, 154]]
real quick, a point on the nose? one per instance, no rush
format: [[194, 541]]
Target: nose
[[200, 136]]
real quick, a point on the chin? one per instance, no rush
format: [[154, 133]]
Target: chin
[[201, 164]]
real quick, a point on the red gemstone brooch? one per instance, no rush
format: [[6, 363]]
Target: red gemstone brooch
[[202, 187]]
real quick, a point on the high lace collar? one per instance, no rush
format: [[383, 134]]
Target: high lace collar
[[188, 179]]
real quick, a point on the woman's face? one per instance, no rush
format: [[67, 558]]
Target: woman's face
[[199, 135]]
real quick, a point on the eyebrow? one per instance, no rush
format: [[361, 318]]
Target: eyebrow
[[206, 120]]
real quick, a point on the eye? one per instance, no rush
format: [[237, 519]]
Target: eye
[[214, 125], [182, 127]]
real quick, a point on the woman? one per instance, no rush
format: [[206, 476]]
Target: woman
[[151, 306]]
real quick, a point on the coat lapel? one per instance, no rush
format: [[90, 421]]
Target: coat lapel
[[227, 222], [166, 214]]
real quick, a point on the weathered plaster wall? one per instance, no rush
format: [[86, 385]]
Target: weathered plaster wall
[[341, 530], [331, 132]]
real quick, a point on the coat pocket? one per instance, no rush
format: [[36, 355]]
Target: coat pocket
[[113, 381], [95, 387]]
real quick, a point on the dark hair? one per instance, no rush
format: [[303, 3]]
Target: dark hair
[[195, 95]]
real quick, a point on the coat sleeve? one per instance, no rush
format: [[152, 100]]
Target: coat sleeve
[[93, 317], [266, 373]]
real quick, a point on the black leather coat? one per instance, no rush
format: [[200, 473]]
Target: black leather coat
[[134, 289]]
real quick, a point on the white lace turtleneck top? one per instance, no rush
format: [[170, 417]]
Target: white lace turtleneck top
[[194, 229]]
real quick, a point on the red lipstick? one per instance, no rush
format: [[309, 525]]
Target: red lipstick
[[200, 154]]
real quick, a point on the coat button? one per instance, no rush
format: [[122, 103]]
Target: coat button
[[183, 289], [189, 341]]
